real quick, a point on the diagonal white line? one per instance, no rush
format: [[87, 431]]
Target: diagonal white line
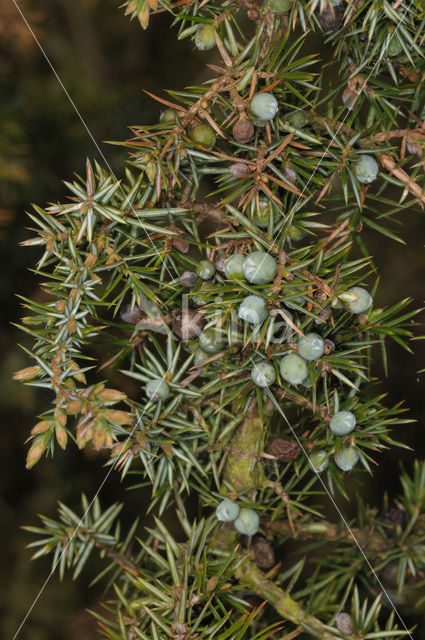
[[269, 393], [159, 255], [141, 415], [74, 533], [74, 106], [276, 404]]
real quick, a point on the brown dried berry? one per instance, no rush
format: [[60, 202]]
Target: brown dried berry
[[181, 245], [392, 518], [344, 624], [290, 174], [187, 323], [414, 147], [253, 14], [284, 449], [263, 552], [329, 347], [331, 17], [219, 263], [132, 315], [239, 169], [188, 279], [243, 130]]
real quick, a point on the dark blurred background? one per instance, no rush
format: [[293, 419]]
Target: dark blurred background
[[105, 61]]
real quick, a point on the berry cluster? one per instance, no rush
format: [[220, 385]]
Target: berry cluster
[[245, 520]]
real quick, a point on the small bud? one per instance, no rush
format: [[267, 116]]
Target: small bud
[[243, 130], [35, 452], [40, 427], [112, 395], [61, 437], [344, 624], [60, 306], [26, 374], [212, 583], [84, 433], [60, 417], [239, 169], [73, 407], [99, 438], [78, 375], [90, 260], [119, 417], [119, 449], [72, 325], [31, 320]]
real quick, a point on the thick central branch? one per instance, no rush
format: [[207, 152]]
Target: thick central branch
[[243, 468]]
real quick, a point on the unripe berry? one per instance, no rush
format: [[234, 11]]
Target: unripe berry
[[296, 233], [205, 270], [247, 522], [168, 116], [211, 341], [262, 214], [293, 301], [293, 368], [200, 297], [342, 422], [360, 300], [227, 511], [259, 267], [307, 383], [253, 309], [394, 46], [204, 37], [366, 169], [347, 459], [200, 356], [203, 135], [311, 347], [233, 266], [263, 107], [296, 119], [263, 374], [279, 6], [319, 460], [157, 390]]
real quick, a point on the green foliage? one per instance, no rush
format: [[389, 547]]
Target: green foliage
[[113, 256]]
